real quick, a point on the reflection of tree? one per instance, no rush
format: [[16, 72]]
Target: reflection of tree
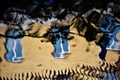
[[87, 27], [56, 8]]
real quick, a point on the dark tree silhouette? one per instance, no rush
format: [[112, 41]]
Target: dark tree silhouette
[[58, 8]]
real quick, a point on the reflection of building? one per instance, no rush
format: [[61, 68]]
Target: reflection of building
[[20, 21], [13, 46], [60, 40], [110, 27]]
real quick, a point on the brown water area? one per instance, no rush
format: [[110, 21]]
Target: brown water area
[[38, 59]]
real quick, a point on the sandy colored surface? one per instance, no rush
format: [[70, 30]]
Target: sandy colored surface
[[118, 36], [37, 55]]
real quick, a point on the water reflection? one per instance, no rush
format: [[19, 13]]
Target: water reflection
[[110, 27], [13, 46], [60, 41]]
